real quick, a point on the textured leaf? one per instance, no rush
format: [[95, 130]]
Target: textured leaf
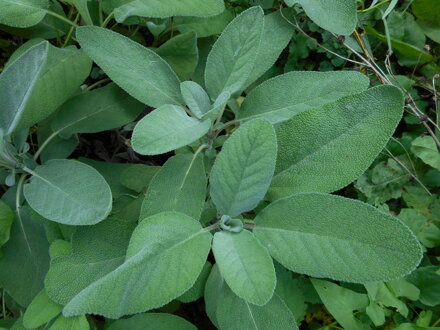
[[424, 147], [6, 220], [159, 9], [427, 279], [245, 265], [165, 129], [284, 96], [346, 239], [179, 186], [424, 229], [166, 254], [197, 290], [195, 98], [242, 171], [25, 258], [70, 323], [69, 192], [41, 310], [213, 290], [22, 13], [324, 149], [232, 58], [99, 110], [138, 176], [152, 321], [139, 71], [204, 26]]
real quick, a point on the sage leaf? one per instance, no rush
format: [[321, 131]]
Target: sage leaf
[[213, 290], [180, 185], [70, 323], [83, 10], [425, 148], [40, 311], [138, 176], [318, 149], [243, 170], [280, 98], [138, 70], [22, 13], [152, 321], [232, 58], [347, 240], [195, 98], [82, 197], [6, 220], [245, 265], [198, 288], [204, 26], [166, 248], [165, 129]]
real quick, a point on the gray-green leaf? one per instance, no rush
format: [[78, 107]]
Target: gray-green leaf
[[41, 310], [22, 13], [6, 220], [195, 98], [152, 321]]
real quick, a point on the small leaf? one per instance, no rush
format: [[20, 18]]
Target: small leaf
[[165, 129], [195, 98], [243, 170], [6, 220], [424, 147], [22, 13], [218, 107], [330, 236], [245, 265], [70, 323], [41, 310], [69, 192], [152, 321]]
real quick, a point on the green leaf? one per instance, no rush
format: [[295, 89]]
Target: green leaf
[[70, 323], [179, 186], [198, 288], [22, 13], [83, 10], [231, 60], [152, 321], [181, 54], [218, 107], [243, 170], [204, 26], [427, 10], [326, 148], [166, 254], [159, 9], [139, 71], [341, 303], [6, 220], [245, 265], [96, 111], [424, 147], [165, 129], [57, 147], [41, 310], [195, 98], [427, 279], [69, 192], [25, 258], [425, 230], [337, 16], [346, 239], [213, 290], [96, 251], [280, 98], [138, 176]]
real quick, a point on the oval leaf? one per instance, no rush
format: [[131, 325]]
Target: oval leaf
[[334, 237], [195, 98], [152, 321], [22, 13], [41, 310]]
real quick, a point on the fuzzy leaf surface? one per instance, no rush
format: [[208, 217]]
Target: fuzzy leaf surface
[[22, 13], [152, 321]]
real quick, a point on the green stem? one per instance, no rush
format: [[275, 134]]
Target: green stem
[[108, 19], [62, 18], [212, 227], [374, 7], [44, 145], [69, 35], [97, 83]]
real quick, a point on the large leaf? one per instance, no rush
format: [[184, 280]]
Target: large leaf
[[26, 258], [197, 290], [22, 13], [139, 71], [69, 192], [165, 129], [324, 149], [152, 321], [6, 220], [280, 98], [164, 258], [245, 265], [231, 60], [160, 9], [180, 185], [330, 236], [100, 110], [243, 170]]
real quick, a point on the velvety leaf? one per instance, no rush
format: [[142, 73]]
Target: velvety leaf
[[166, 254], [69, 192], [152, 321], [245, 265], [204, 26], [40, 311], [165, 129], [231, 60], [22, 13], [99, 110], [325, 148], [284, 96], [346, 239], [243, 170], [139, 71], [70, 323], [6, 220], [424, 147], [25, 258], [138, 176], [197, 290], [159, 9], [195, 98], [218, 106]]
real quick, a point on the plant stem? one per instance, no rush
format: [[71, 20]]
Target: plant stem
[[374, 7], [44, 145], [108, 19], [70, 31], [61, 18], [212, 227], [97, 83]]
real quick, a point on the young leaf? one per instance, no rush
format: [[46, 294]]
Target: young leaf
[[99, 110], [280, 98], [319, 148], [179, 186], [232, 58], [152, 321], [6, 220], [25, 258], [334, 237], [69, 192], [245, 265], [70, 323], [165, 129], [166, 254], [23, 13], [139, 71], [243, 170], [159, 9], [218, 107], [195, 98], [41, 310]]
